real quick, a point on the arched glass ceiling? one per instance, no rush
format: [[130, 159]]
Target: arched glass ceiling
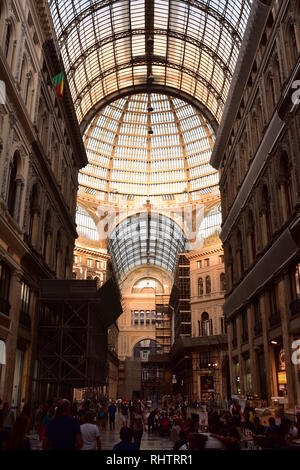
[[86, 226], [146, 239], [189, 46], [148, 147]]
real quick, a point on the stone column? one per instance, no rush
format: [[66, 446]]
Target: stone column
[[11, 343], [287, 341], [19, 188], [20, 52], [36, 99], [6, 173], [32, 349], [195, 372], [239, 330], [265, 327], [253, 359], [231, 368]]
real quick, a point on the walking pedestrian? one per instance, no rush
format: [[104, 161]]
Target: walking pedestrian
[[63, 432], [138, 425], [90, 433], [124, 415], [112, 409]]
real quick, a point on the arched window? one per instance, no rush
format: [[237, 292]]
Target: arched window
[[271, 94], [12, 188], [242, 161], [265, 215], [67, 264], [207, 285], [200, 287], [58, 250], [206, 325], [277, 79], [284, 182], [222, 282], [230, 267], [273, 86], [54, 157], [292, 51], [239, 254], [27, 87], [251, 237], [43, 131], [34, 215], [7, 40], [23, 71], [255, 132], [47, 237]]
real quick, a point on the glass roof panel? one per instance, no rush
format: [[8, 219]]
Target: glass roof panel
[[146, 147], [188, 45], [146, 239]]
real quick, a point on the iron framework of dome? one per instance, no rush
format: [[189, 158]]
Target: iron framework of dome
[[149, 80], [111, 48], [146, 239], [148, 147]]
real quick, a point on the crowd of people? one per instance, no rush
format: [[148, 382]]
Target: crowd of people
[[61, 424]]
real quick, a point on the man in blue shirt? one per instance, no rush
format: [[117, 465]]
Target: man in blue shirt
[[112, 415], [63, 432]]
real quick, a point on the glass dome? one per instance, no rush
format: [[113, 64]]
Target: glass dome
[[148, 147], [185, 46]]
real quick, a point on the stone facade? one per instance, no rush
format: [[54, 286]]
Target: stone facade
[[141, 301], [90, 262], [207, 272], [200, 359], [39, 162], [260, 187]]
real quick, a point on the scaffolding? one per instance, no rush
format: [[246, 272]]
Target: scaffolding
[[72, 335], [163, 322]]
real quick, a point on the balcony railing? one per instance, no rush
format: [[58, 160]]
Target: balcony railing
[[234, 342], [4, 306], [275, 319]]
